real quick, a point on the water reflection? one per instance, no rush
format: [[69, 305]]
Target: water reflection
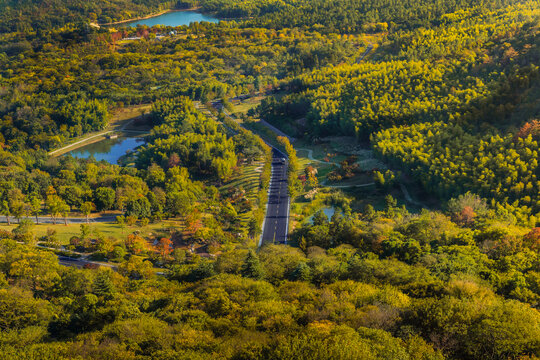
[[175, 18], [109, 150]]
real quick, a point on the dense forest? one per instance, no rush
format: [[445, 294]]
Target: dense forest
[[445, 94], [383, 284], [60, 84], [32, 15], [343, 16], [456, 105]]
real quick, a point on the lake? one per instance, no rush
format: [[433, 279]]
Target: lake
[[109, 150], [174, 18]]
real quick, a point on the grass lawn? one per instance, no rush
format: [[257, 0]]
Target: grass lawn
[[128, 113], [248, 179], [65, 233], [244, 106]]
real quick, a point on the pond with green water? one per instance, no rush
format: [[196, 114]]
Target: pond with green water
[[110, 150]]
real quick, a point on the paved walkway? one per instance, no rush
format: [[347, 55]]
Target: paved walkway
[[80, 142], [103, 133], [404, 190], [368, 50]]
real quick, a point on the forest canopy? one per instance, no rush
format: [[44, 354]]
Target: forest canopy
[[165, 259]]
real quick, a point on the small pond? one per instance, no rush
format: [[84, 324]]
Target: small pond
[[109, 150], [174, 18], [328, 211]]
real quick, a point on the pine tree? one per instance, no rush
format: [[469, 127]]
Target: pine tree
[[302, 272], [252, 267], [103, 286], [303, 244]]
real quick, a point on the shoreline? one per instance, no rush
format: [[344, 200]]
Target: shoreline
[[148, 16]]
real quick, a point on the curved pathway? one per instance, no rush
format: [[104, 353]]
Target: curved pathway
[[347, 186], [409, 198], [80, 142], [368, 50], [404, 190], [310, 157], [103, 133]]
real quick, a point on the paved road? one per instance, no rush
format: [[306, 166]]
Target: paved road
[[276, 223], [276, 130], [368, 50], [81, 262]]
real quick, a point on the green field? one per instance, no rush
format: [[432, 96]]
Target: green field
[[247, 179], [66, 232]]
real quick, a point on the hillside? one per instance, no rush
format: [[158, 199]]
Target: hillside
[[395, 143]]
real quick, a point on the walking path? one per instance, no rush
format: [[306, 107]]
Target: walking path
[[310, 157], [404, 190], [368, 50], [80, 142], [103, 133], [409, 198]]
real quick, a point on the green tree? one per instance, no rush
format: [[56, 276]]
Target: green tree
[[103, 286], [121, 220], [6, 211], [252, 267], [35, 206], [104, 198], [86, 208], [54, 205], [302, 273]]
